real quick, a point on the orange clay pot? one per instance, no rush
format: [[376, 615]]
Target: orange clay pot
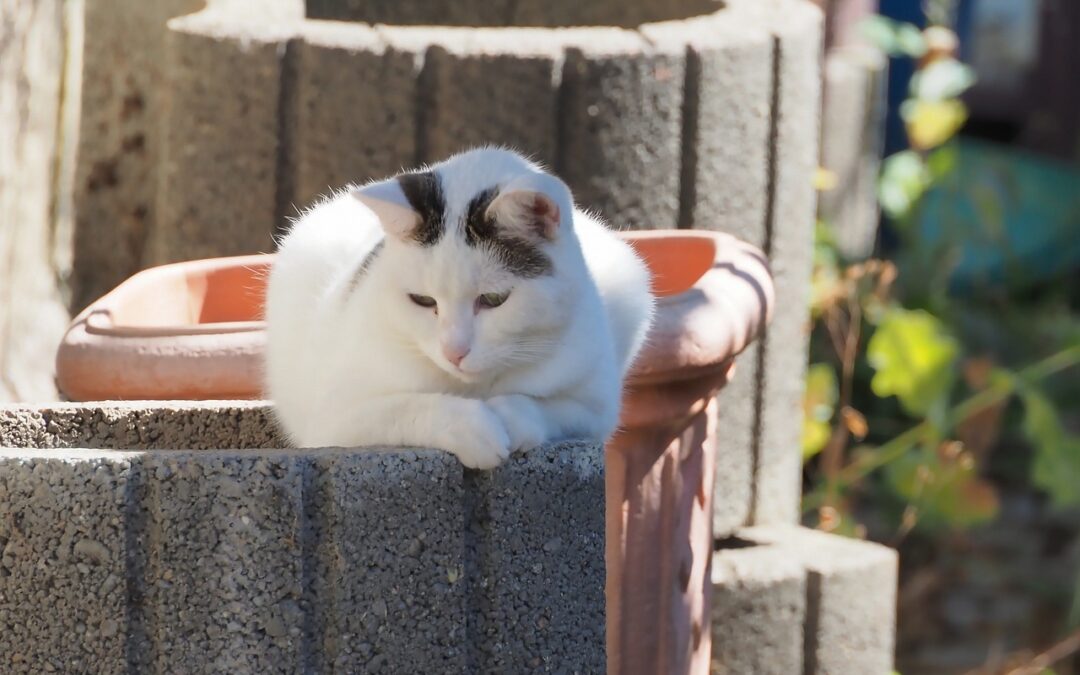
[[194, 331]]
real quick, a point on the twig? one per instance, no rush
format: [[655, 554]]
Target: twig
[[1066, 647]]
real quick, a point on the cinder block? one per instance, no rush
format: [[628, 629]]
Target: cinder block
[[535, 552], [483, 86], [790, 250], [223, 575], [733, 486], [758, 609], [725, 162], [63, 561], [167, 425], [852, 137], [225, 177], [356, 108], [387, 568], [850, 599], [620, 123]]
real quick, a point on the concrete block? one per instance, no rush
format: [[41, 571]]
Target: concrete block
[[733, 486], [535, 562], [355, 109], [34, 186], [119, 139], [387, 568], [725, 163], [483, 86], [850, 599], [63, 562], [223, 573], [223, 144], [852, 140], [758, 609], [789, 248], [620, 121], [167, 425]]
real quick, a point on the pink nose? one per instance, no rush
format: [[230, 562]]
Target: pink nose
[[455, 356]]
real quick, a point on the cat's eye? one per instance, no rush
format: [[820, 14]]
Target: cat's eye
[[422, 300], [490, 300]]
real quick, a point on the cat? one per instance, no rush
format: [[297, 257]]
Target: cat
[[467, 306]]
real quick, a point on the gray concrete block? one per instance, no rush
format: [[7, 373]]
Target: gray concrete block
[[733, 486], [852, 138], [223, 144], [119, 139], [35, 233], [726, 130], [790, 250], [223, 563], [355, 109], [168, 425], [851, 599], [758, 609], [535, 551], [483, 86], [387, 567], [63, 562], [620, 121]]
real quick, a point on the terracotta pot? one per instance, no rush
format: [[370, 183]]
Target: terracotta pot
[[193, 331]]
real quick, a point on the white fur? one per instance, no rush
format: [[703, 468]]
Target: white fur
[[353, 364]]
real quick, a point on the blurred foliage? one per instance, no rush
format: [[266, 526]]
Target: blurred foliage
[[911, 387]]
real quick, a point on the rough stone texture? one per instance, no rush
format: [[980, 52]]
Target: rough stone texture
[[322, 560], [852, 140], [621, 124], [387, 589], [789, 247], [759, 608], [356, 109], [850, 607], [119, 140], [63, 598], [535, 548], [219, 184], [170, 425], [34, 237], [733, 487], [223, 563]]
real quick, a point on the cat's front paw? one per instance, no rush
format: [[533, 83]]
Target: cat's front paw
[[522, 418], [478, 438]]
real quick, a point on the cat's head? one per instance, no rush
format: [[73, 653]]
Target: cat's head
[[476, 270]]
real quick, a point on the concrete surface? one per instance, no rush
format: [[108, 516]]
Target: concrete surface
[[263, 561], [854, 100], [35, 149], [792, 600]]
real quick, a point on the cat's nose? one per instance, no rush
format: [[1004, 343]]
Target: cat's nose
[[455, 355]]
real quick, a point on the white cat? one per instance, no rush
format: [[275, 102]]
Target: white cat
[[467, 306]]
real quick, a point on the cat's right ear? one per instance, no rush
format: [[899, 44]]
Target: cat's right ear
[[386, 199]]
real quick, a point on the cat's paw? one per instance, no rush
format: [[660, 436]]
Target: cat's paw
[[479, 438], [522, 419]]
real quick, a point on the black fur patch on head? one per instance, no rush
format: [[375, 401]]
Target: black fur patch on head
[[518, 255], [425, 195]]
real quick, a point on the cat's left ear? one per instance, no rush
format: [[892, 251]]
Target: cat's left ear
[[530, 206], [389, 203]]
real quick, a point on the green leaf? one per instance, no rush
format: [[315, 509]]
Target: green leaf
[[941, 483], [914, 359], [904, 179], [819, 402], [880, 32], [1056, 468], [942, 80]]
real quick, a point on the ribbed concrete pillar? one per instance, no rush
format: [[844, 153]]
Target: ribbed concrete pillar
[[265, 560]]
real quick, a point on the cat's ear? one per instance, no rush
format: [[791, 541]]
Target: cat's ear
[[530, 206], [386, 199]]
